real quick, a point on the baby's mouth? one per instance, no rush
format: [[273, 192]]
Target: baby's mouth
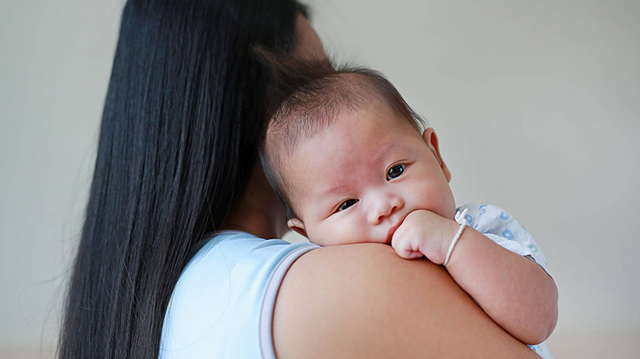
[[392, 230]]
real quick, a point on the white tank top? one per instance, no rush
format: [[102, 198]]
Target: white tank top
[[222, 305]]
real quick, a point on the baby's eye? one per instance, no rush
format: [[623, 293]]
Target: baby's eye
[[346, 204], [395, 171]]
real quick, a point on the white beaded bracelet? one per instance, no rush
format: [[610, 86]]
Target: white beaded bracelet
[[459, 218]]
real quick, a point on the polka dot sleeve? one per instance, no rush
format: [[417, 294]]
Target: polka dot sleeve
[[499, 226]]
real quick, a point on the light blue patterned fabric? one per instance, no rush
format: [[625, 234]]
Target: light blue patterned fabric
[[499, 226]]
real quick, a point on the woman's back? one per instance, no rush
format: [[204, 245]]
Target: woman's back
[[347, 301], [178, 144], [222, 305]]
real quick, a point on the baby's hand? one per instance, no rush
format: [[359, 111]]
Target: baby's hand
[[424, 233]]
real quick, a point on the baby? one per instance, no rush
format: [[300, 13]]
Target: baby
[[348, 157]]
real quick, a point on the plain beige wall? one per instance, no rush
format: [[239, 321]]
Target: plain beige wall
[[537, 105]]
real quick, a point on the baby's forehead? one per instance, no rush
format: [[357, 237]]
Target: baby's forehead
[[318, 103], [352, 145]]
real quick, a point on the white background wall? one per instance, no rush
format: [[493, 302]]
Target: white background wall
[[537, 105]]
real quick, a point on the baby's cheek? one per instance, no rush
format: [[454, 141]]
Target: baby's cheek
[[361, 232], [435, 198], [325, 234], [343, 232], [314, 234], [339, 231]]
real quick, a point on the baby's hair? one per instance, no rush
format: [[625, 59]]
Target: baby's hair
[[306, 96]]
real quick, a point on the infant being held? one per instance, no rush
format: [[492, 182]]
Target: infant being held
[[348, 157]]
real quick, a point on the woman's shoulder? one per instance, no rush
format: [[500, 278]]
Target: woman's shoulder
[[217, 306], [364, 301]]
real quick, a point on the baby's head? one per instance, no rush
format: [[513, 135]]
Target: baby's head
[[347, 156]]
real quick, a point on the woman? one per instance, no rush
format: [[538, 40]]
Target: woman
[[177, 161]]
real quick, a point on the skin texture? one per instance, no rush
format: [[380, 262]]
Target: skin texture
[[376, 180], [363, 301], [335, 302], [494, 278], [358, 179]]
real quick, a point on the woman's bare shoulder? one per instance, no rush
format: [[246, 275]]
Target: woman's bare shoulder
[[363, 300]]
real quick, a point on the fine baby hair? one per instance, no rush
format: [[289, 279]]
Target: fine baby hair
[[347, 157], [306, 96]]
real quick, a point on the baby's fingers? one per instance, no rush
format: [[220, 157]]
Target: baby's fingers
[[405, 248], [409, 254]]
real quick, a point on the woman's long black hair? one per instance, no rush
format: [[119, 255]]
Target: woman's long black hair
[[178, 141]]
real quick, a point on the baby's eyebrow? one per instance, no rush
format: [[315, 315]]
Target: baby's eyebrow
[[380, 153], [375, 160], [326, 199], [333, 190]]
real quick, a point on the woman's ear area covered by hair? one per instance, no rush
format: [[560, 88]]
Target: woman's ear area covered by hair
[[296, 224], [431, 139], [308, 42]]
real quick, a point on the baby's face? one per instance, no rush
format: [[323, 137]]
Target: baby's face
[[357, 180]]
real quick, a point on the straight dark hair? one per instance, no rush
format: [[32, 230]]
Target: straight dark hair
[[182, 120]]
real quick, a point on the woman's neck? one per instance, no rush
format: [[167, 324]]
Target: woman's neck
[[259, 210]]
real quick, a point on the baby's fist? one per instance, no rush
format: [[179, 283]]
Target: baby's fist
[[424, 233]]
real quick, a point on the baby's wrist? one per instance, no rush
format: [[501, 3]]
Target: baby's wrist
[[449, 231]]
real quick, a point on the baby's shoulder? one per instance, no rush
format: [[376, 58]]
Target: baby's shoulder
[[489, 218]]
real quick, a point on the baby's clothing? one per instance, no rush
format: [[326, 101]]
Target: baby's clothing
[[498, 225]]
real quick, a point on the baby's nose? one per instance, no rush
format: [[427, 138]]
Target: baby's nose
[[384, 208]]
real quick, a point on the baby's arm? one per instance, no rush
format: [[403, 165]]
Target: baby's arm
[[513, 290]]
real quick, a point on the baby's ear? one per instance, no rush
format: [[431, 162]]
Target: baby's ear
[[297, 225], [430, 138]]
